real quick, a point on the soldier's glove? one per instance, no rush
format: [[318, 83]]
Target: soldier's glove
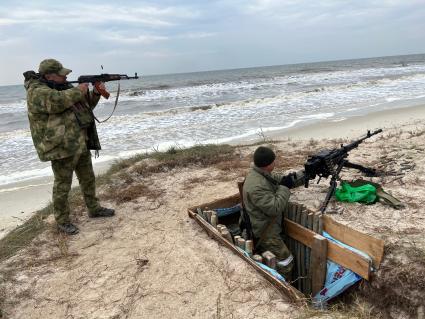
[[289, 180]]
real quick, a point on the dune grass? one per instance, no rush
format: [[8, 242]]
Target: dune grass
[[200, 155]]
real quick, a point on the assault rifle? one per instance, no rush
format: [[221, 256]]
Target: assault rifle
[[104, 77], [330, 163]]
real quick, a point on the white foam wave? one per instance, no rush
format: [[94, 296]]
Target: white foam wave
[[25, 175], [13, 107]]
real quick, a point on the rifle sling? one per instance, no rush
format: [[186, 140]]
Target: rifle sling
[[115, 106]]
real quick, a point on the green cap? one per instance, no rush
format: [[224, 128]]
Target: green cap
[[49, 66]]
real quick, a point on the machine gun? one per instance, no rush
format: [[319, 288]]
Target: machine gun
[[330, 163], [104, 77]]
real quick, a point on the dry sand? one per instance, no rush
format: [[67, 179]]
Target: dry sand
[[152, 261], [19, 201]]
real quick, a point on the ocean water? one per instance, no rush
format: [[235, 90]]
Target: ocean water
[[156, 112]]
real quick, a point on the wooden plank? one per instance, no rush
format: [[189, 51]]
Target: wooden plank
[[336, 253], [285, 288], [320, 224], [290, 240], [303, 252], [299, 233], [370, 245], [318, 259], [298, 249], [349, 259], [316, 222], [240, 188], [308, 256]]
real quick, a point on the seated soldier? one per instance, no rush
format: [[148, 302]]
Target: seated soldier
[[265, 197]]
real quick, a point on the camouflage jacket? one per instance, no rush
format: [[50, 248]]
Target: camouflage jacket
[[55, 130], [265, 200]]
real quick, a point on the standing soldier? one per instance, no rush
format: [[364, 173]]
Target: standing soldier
[[63, 132], [266, 196]]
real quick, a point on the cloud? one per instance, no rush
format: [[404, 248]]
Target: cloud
[[151, 38], [11, 41], [132, 39], [329, 12], [93, 14], [196, 35]]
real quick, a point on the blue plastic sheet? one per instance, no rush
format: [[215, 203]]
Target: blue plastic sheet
[[272, 271], [338, 278], [222, 212]]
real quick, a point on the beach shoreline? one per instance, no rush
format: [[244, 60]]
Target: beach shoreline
[[21, 199]]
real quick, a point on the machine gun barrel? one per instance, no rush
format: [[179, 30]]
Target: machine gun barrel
[[356, 143]]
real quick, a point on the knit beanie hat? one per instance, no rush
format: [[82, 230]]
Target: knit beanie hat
[[263, 156]]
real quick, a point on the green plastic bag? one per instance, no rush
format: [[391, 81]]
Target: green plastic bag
[[364, 194]]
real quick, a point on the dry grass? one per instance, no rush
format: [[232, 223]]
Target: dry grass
[[349, 305], [129, 193], [397, 280], [21, 236], [232, 165], [204, 155]]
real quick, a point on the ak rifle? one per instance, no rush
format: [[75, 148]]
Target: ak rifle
[[104, 77]]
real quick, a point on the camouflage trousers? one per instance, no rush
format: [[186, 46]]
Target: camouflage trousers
[[63, 170], [284, 259]]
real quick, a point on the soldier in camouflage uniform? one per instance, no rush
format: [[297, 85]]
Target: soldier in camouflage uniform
[[63, 132], [265, 199]]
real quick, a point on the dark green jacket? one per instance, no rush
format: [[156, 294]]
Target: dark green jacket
[[54, 127], [265, 200]]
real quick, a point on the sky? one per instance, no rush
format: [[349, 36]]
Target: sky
[[167, 36]]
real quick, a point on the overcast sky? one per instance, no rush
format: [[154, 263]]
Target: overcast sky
[[167, 36]]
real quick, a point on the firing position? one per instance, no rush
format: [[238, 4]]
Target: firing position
[[266, 196], [63, 130]]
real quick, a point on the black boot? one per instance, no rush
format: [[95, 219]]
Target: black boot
[[68, 228], [103, 212]]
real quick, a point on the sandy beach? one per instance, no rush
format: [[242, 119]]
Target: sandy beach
[[37, 193], [18, 201], [152, 261]]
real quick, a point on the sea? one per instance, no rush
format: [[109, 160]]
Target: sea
[[180, 110]]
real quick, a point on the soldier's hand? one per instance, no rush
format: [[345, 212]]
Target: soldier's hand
[[83, 87]]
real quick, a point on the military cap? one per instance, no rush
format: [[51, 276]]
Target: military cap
[[49, 66], [263, 156]]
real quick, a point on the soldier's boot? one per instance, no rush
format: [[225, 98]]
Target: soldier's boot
[[284, 267], [68, 228], [103, 212]]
